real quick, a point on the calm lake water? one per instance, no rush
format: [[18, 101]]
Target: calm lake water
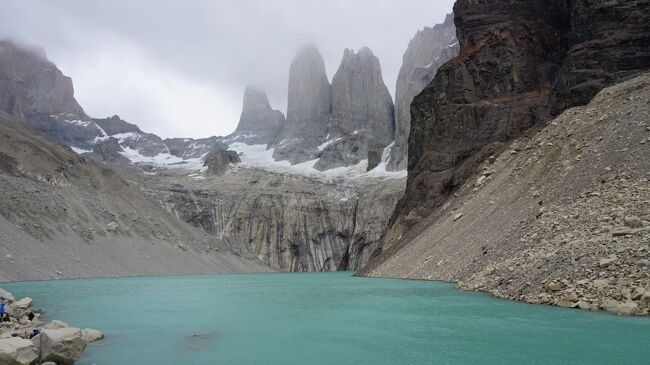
[[327, 318]]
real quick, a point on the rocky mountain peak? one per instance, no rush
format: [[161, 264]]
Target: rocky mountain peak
[[308, 108], [31, 85], [259, 123], [362, 111]]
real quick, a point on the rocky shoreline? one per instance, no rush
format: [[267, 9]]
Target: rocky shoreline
[[27, 339]]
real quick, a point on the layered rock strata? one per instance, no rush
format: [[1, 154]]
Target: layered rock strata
[[519, 62]]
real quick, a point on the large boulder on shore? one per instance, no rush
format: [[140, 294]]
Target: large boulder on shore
[[5, 295], [24, 303], [17, 351], [63, 346]]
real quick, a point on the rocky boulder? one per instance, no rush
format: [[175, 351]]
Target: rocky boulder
[[218, 161], [308, 108], [23, 303], [90, 335], [5, 295], [63, 346], [259, 123], [17, 351], [428, 50]]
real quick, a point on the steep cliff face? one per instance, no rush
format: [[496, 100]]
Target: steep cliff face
[[259, 123], [308, 109], [32, 85], [517, 64], [608, 42], [362, 110], [290, 222], [427, 51], [561, 218]]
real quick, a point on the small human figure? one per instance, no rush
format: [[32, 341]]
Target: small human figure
[[35, 333], [30, 316], [2, 310]]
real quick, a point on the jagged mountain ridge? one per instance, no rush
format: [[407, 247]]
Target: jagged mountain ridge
[[333, 221]]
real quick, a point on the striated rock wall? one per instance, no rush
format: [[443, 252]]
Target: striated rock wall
[[290, 222], [426, 52], [519, 62]]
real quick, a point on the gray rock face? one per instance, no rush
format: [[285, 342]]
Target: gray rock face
[[67, 130], [361, 103], [62, 346], [219, 160], [17, 351], [109, 151], [427, 51], [362, 111], [348, 151], [115, 125], [259, 123], [186, 148], [308, 109], [32, 85], [290, 222]]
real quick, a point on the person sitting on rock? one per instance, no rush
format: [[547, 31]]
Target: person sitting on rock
[[35, 333], [30, 316], [2, 310]]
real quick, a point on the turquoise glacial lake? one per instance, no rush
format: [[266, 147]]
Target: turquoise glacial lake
[[327, 318]]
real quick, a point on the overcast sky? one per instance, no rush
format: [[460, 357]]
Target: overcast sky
[[179, 68]]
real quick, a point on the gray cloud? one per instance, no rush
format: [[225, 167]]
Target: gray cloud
[[179, 68]]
